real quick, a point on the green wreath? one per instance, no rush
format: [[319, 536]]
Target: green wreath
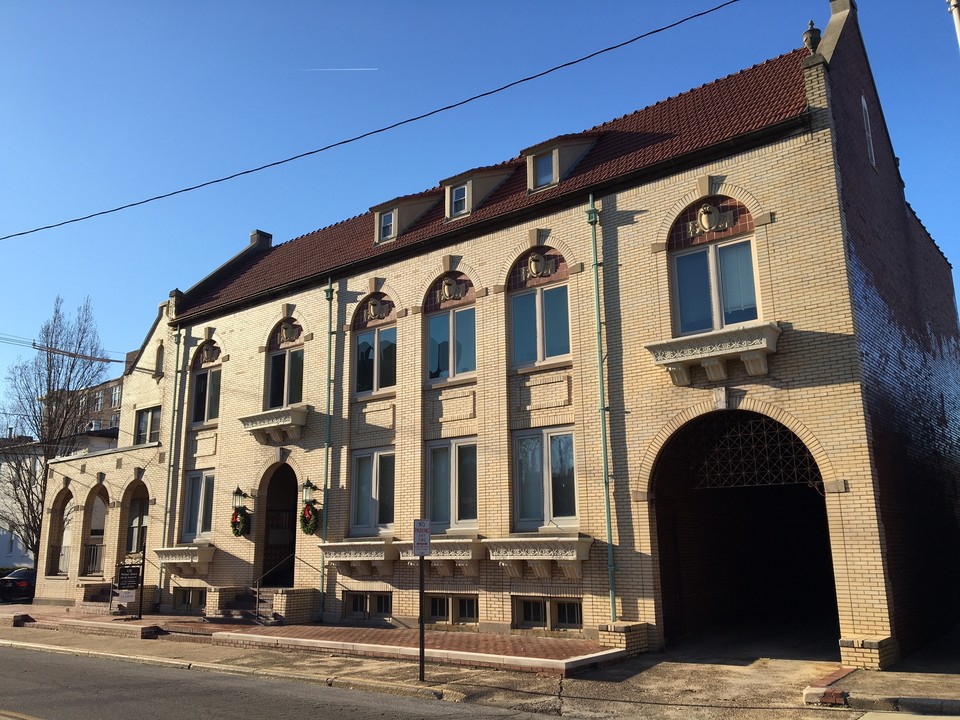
[[240, 521], [308, 519]]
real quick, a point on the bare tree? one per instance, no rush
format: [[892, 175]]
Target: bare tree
[[45, 404]]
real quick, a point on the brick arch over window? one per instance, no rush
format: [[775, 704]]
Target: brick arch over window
[[374, 310], [647, 465], [207, 354], [725, 189], [521, 250], [457, 267], [540, 265], [734, 217]]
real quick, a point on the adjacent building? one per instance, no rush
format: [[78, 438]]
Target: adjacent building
[[694, 366]]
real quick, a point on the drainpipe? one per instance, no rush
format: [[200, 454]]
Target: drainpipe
[[328, 292], [593, 218], [170, 453]]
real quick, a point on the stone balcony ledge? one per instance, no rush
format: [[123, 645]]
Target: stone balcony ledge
[[187, 560], [750, 343], [361, 557], [539, 554], [446, 553], [279, 426]]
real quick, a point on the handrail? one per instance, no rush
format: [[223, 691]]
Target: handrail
[[257, 581]]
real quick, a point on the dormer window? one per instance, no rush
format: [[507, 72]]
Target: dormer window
[[387, 226], [543, 174], [458, 200]]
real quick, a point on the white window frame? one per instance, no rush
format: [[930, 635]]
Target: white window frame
[[285, 392], [208, 393], [200, 516], [452, 447], [152, 434], [453, 190], [374, 527], [548, 519], [382, 218], [451, 314], [97, 401], [375, 331], [554, 169], [716, 283], [115, 396], [540, 326]]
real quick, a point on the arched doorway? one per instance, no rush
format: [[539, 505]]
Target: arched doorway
[[742, 533], [279, 533]]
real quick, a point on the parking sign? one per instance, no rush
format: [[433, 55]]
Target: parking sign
[[421, 538]]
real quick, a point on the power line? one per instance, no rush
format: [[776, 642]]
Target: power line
[[378, 131]]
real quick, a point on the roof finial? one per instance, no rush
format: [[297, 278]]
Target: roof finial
[[811, 38]]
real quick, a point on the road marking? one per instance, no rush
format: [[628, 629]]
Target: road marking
[[9, 715]]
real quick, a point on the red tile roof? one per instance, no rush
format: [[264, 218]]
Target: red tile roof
[[737, 105]]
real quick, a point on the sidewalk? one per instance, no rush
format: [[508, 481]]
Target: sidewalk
[[688, 683]]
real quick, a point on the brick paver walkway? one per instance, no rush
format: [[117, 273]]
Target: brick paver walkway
[[488, 644]]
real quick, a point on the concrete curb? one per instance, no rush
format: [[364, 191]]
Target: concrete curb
[[346, 683], [916, 705]]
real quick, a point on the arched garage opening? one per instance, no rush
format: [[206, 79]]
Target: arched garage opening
[[742, 532]]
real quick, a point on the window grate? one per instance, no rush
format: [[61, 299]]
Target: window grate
[[750, 450]]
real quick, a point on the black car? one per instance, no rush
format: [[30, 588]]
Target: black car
[[18, 585]]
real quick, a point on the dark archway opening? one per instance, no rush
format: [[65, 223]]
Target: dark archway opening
[[743, 537], [279, 536]]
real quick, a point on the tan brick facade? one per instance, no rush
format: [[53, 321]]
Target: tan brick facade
[[815, 387]]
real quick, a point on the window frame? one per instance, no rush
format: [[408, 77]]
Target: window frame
[[451, 315], [548, 517], [452, 208], [381, 217], [200, 518], [96, 404], [377, 368], [540, 325], [715, 283], [295, 348], [868, 131], [454, 520], [373, 510], [151, 433], [208, 393], [138, 515], [550, 155], [115, 395]]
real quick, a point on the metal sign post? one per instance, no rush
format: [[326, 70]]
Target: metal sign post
[[421, 548]]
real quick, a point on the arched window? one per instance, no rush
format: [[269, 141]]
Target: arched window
[[451, 327], [375, 343], [285, 364], [712, 266], [158, 362], [205, 384], [539, 308], [137, 516]]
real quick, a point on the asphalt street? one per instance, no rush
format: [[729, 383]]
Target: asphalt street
[[64, 687]]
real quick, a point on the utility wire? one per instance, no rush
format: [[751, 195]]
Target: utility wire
[[383, 129]]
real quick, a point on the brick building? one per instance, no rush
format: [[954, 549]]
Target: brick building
[[745, 409]]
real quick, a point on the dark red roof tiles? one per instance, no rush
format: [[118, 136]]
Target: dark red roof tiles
[[747, 101]]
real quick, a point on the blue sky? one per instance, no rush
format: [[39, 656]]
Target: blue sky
[[106, 103]]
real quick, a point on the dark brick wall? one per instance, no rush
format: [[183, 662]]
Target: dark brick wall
[[907, 325]]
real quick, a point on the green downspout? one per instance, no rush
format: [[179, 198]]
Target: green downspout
[[170, 453], [328, 291], [593, 218]]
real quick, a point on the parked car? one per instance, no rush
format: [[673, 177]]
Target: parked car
[[18, 585]]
